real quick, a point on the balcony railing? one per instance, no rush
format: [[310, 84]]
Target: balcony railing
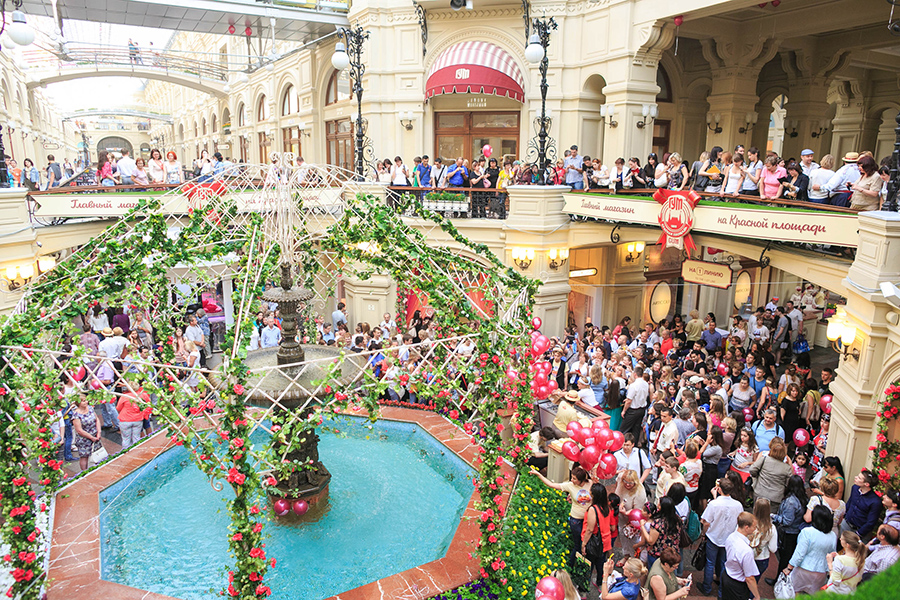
[[457, 202]]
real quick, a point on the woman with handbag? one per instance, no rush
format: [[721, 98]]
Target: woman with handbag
[[596, 538], [789, 521], [808, 567], [770, 474], [664, 531], [87, 425]]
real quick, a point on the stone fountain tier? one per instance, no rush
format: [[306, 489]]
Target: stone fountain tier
[[277, 382], [281, 295]]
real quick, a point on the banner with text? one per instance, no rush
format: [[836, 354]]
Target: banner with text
[[726, 218]]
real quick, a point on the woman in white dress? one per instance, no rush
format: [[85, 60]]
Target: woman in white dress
[[193, 361], [156, 168]]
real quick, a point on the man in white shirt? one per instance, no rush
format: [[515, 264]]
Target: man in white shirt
[[793, 313], [838, 186], [719, 520], [438, 173], [738, 579], [635, 403], [126, 167], [195, 334], [807, 164], [112, 344], [340, 315], [667, 438], [387, 325]]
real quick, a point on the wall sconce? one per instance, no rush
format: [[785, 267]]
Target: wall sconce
[[11, 127], [710, 118], [557, 257], [406, 119], [751, 119], [634, 251], [793, 132], [840, 329], [650, 111], [819, 132], [608, 111], [16, 276], [523, 257]]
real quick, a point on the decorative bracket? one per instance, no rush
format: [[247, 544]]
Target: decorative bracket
[[614, 234], [763, 259], [422, 15]]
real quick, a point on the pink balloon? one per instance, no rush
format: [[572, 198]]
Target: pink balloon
[[825, 403], [543, 343], [570, 450], [827, 409], [801, 438], [487, 151], [552, 587], [590, 456], [512, 373], [80, 373], [634, 517], [282, 507], [618, 441], [572, 427], [600, 424], [552, 385], [540, 379], [95, 383], [589, 438], [535, 335], [604, 438], [722, 369], [300, 507], [536, 322]]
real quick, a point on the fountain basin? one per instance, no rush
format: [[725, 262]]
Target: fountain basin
[[394, 503]]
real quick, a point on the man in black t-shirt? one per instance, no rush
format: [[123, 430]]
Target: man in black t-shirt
[[54, 172]]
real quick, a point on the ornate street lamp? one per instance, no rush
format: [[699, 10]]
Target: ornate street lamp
[[4, 174], [349, 54], [890, 203], [536, 52]]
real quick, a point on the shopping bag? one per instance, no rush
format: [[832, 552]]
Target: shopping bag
[[784, 587]]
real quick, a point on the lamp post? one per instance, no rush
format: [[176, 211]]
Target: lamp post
[[536, 52], [890, 203], [349, 54], [4, 174]]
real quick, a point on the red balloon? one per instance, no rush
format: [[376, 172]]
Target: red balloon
[[590, 456], [801, 438], [552, 385], [722, 369], [282, 507], [604, 438], [570, 450], [544, 391], [512, 373], [605, 470], [572, 427], [634, 517], [827, 409], [535, 335], [231, 29], [748, 414], [580, 434], [536, 322], [589, 437], [540, 378], [80, 373], [95, 383], [536, 349], [551, 587], [487, 150], [543, 342], [825, 403], [300, 507], [618, 441], [600, 423], [679, 20], [608, 460]]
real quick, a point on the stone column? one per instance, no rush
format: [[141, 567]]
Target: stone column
[[860, 382], [536, 220], [735, 68], [807, 111], [626, 140], [368, 300]]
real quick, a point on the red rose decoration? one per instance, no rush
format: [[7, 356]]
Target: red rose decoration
[[238, 389]]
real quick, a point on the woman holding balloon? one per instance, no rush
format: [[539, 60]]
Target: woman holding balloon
[[579, 489], [632, 498], [820, 441]]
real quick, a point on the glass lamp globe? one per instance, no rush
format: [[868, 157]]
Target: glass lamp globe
[[340, 60], [19, 31], [534, 52]]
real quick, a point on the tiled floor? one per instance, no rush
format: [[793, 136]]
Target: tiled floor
[[74, 572]]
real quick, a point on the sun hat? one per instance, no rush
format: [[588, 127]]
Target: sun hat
[[107, 332], [851, 157], [572, 395]]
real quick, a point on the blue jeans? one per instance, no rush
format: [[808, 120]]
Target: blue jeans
[[110, 416], [575, 527], [67, 440], [576, 185], [715, 560], [127, 180], [762, 565]]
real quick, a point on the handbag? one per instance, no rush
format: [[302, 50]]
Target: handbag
[[784, 588], [594, 548], [99, 454], [698, 560], [684, 540], [801, 346]]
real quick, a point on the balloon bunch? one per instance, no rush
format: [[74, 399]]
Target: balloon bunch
[[283, 506], [599, 443], [542, 385], [550, 588]]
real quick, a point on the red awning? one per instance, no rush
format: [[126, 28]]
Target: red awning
[[475, 68]]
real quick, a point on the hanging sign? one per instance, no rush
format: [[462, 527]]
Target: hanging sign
[[742, 289], [676, 217], [706, 273]]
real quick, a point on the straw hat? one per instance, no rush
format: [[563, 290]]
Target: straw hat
[[851, 157], [107, 332], [572, 395]]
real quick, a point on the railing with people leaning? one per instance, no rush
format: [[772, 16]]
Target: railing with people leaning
[[457, 202]]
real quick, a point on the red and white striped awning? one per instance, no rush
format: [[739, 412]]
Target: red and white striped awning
[[475, 68]]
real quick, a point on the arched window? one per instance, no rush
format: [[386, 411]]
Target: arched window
[[338, 87], [226, 121], [195, 129], [242, 116], [213, 124], [290, 103], [203, 126], [665, 86], [262, 110]]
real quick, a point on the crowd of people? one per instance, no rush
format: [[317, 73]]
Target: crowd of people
[[858, 182], [712, 474]]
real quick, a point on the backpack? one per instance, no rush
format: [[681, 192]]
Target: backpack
[[693, 526]]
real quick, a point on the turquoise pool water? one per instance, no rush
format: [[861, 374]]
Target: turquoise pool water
[[396, 498]]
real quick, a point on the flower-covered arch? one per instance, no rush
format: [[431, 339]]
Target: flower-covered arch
[[326, 225]]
